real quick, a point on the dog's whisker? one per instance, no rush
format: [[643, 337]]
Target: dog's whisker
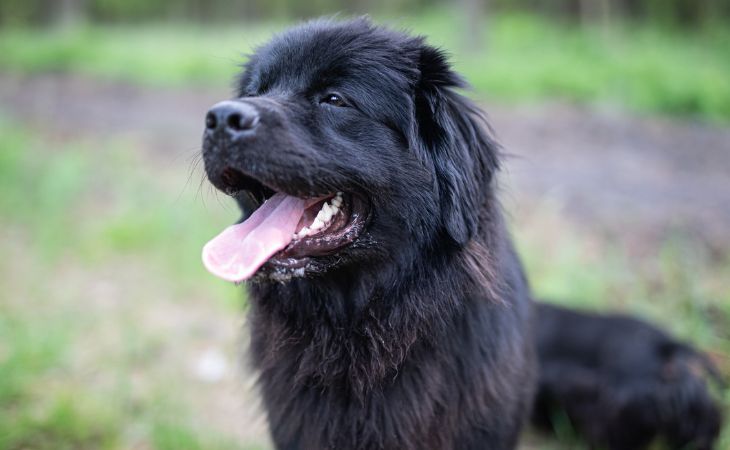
[[199, 191], [193, 161]]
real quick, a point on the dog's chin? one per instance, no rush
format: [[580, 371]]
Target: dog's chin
[[330, 224]]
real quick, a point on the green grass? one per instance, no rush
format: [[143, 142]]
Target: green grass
[[679, 284], [102, 262], [169, 55], [74, 199], [643, 67], [524, 58], [64, 224]]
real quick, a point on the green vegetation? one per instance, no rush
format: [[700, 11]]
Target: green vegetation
[[686, 13], [644, 67], [50, 196], [88, 358], [69, 356], [105, 301], [647, 68]]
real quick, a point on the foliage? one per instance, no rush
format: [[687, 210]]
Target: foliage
[[66, 227], [57, 213], [72, 357], [691, 13], [522, 58]]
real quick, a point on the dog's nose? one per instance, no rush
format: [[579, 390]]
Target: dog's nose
[[232, 116]]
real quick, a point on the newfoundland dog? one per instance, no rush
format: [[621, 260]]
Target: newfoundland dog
[[388, 307]]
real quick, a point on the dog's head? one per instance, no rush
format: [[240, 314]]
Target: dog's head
[[346, 142]]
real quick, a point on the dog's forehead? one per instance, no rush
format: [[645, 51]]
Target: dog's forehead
[[323, 54]]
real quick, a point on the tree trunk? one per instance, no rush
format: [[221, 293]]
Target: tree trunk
[[473, 17], [67, 13]]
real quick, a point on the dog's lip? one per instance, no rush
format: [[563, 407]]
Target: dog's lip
[[234, 181]]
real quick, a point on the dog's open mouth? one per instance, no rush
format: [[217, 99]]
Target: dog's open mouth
[[284, 231]]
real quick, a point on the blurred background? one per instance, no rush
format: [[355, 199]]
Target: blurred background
[[614, 115]]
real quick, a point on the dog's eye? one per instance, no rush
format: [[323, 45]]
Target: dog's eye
[[334, 100]]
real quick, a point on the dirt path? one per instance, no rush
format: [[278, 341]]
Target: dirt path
[[641, 177], [606, 169]]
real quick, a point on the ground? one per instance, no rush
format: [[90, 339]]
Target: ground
[[610, 211]]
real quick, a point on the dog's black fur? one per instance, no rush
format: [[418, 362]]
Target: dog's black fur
[[622, 383], [419, 334]]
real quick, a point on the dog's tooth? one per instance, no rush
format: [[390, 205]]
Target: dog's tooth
[[329, 211], [337, 201], [317, 224], [321, 215]]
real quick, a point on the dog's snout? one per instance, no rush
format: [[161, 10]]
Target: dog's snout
[[232, 116]]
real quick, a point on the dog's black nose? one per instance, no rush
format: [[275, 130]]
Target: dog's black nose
[[232, 116]]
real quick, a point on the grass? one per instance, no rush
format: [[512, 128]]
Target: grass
[[107, 304], [643, 67], [678, 285], [106, 296], [78, 371]]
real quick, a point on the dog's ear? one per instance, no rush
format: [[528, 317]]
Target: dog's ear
[[455, 135]]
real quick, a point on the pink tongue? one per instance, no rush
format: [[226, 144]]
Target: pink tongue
[[238, 252]]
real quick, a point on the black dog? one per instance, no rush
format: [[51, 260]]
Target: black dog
[[403, 320], [388, 307], [622, 383]]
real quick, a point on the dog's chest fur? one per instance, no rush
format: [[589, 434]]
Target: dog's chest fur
[[427, 365]]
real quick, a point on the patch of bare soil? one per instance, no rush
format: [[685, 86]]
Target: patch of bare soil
[[640, 179]]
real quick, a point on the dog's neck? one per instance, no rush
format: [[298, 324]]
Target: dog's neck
[[355, 328]]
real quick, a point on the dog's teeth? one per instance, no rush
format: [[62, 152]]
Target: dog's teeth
[[324, 216], [323, 213], [329, 212]]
